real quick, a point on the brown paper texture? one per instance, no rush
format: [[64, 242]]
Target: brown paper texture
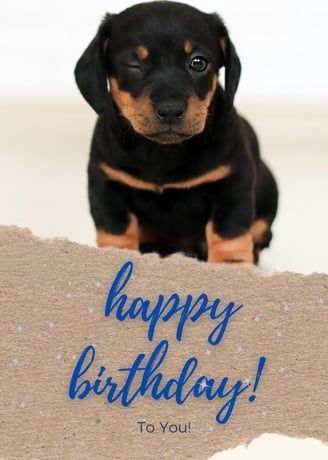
[[53, 308]]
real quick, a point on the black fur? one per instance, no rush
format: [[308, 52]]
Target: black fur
[[175, 217]]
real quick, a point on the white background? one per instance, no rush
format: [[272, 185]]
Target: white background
[[282, 44], [283, 47]]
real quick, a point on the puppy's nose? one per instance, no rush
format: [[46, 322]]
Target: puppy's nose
[[170, 112]]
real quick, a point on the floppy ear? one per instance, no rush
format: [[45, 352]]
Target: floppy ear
[[90, 71], [231, 63]]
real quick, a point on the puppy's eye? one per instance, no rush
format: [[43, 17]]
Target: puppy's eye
[[198, 64]]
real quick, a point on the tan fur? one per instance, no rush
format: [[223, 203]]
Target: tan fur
[[223, 45], [138, 111], [141, 114], [199, 108], [259, 228], [127, 179], [188, 46], [236, 250], [142, 52], [128, 240]]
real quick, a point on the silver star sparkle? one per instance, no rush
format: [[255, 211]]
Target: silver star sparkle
[[203, 385]]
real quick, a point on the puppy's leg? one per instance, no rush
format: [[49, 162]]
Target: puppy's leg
[[266, 209], [228, 232], [262, 235], [116, 225], [129, 239], [233, 250]]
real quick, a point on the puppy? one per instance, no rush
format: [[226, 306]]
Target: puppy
[[173, 167]]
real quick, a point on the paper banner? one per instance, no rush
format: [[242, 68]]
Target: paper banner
[[110, 354]]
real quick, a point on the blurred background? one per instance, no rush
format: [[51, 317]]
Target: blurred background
[[46, 126]]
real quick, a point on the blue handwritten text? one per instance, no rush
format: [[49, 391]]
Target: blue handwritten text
[[153, 382], [165, 309]]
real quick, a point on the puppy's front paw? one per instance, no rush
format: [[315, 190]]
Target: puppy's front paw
[[233, 251], [127, 240]]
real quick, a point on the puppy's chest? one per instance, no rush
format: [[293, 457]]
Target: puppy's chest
[[160, 172]]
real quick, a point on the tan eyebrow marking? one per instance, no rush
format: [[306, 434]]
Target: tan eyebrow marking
[[188, 46], [142, 52]]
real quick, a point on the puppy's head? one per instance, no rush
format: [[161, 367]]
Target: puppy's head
[[161, 60]]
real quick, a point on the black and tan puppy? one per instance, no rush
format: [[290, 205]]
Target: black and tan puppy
[[173, 167]]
